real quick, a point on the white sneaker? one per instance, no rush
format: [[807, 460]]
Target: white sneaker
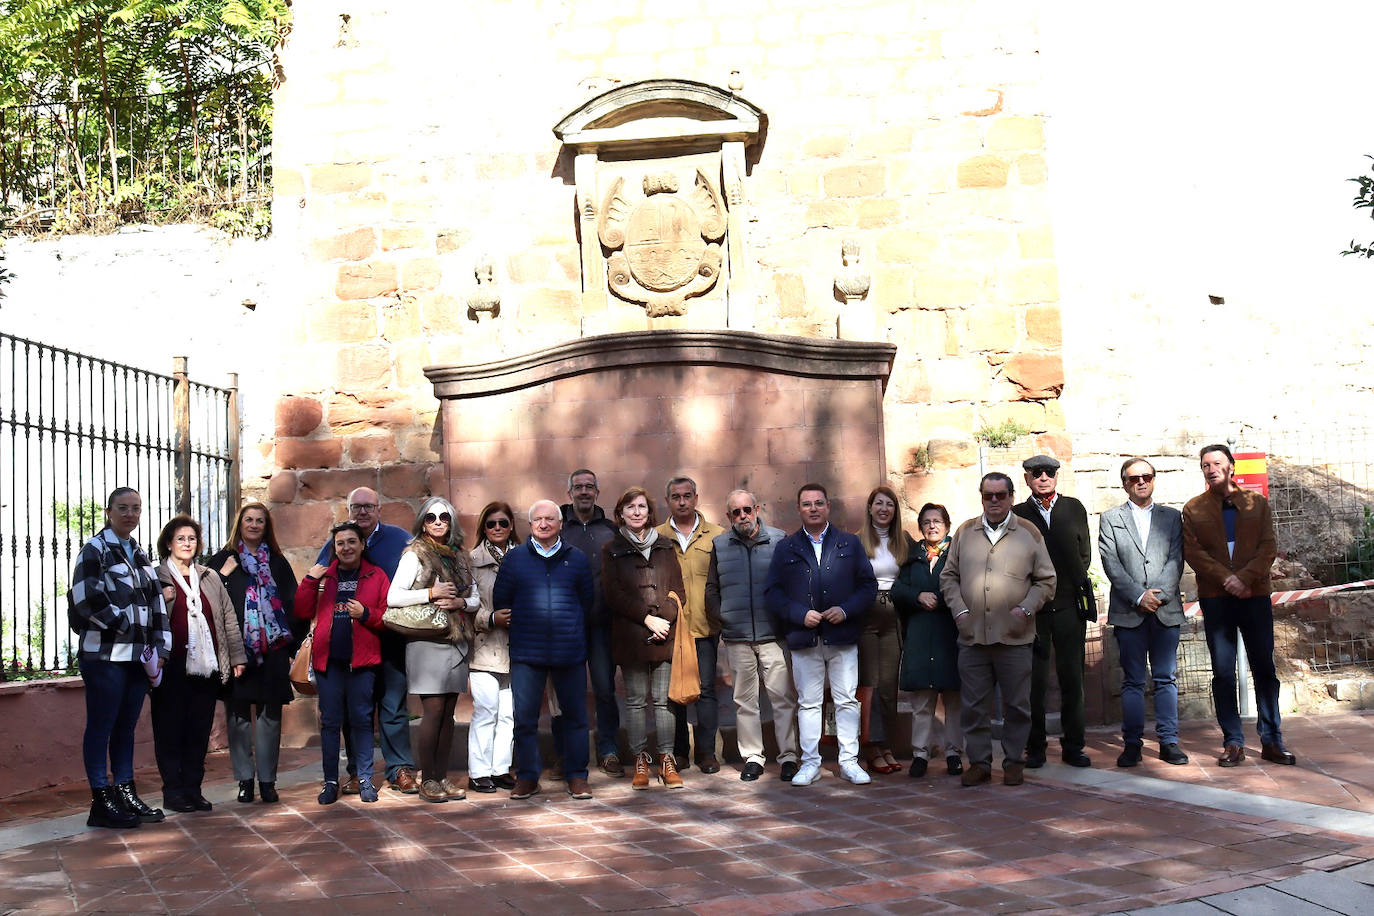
[[808, 774], [855, 774]]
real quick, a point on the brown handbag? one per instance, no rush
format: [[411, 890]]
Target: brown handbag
[[684, 685], [302, 666]]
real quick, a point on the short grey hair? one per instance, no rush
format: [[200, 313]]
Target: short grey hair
[[583, 472], [678, 481], [753, 500], [543, 502]]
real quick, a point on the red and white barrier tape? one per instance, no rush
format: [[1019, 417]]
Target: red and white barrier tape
[[1193, 609]]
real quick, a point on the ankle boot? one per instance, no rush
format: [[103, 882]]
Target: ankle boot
[[641, 779], [667, 772], [106, 810], [269, 792], [245, 790], [129, 800]]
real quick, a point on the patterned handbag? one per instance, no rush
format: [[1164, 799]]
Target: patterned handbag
[[419, 621]]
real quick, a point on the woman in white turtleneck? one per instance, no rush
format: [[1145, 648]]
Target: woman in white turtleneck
[[880, 648]]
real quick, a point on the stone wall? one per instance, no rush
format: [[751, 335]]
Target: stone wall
[[918, 131]]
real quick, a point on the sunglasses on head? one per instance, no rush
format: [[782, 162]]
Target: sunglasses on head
[[431, 518], [1139, 478], [493, 523], [1044, 472]]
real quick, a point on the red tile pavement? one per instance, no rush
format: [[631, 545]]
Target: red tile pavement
[[720, 847]]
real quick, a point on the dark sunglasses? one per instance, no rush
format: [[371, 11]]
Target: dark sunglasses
[[1139, 478], [1044, 472], [493, 523], [431, 518], [742, 511]]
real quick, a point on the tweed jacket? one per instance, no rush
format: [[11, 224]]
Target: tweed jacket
[[115, 603], [1133, 567], [696, 565], [1204, 542], [1069, 542], [635, 588], [988, 580], [228, 629]]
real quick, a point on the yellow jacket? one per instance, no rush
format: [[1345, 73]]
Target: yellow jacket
[[696, 563]]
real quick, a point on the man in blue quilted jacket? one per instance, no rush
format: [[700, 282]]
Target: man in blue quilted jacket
[[547, 586]]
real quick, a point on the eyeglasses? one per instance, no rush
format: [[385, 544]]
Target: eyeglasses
[[362, 507], [185, 539], [493, 524], [742, 511], [1044, 472], [994, 497], [431, 518], [1139, 478]]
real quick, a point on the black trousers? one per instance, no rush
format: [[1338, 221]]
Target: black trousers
[[183, 712]]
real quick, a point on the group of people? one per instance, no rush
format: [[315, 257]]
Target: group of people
[[951, 617]]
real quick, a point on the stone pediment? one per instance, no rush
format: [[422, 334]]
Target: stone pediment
[[659, 110]]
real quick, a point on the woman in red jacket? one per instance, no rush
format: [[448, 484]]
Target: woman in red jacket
[[347, 600]]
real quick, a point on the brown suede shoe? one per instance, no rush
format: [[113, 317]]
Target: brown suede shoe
[[611, 766], [975, 775], [1231, 755], [350, 786], [641, 779], [524, 788], [578, 788], [667, 772], [405, 782], [1013, 774]]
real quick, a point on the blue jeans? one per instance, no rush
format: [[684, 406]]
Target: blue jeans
[[346, 692], [706, 706], [1253, 619], [114, 701], [1158, 643], [393, 715], [570, 686], [601, 669]]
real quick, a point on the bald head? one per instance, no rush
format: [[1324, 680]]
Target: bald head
[[364, 508]]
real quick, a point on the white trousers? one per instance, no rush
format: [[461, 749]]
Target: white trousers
[[811, 669], [491, 732]]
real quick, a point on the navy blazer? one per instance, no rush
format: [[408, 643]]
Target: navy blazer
[[797, 583]]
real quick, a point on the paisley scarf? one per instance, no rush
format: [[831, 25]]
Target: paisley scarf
[[933, 551], [264, 619]]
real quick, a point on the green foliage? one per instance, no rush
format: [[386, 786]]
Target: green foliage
[[79, 519], [1364, 200], [1001, 435], [6, 275], [1359, 556]]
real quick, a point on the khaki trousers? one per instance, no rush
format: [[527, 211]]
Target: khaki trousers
[[767, 662], [923, 722], [981, 670]]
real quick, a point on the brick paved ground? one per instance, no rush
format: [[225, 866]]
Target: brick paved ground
[[725, 847]]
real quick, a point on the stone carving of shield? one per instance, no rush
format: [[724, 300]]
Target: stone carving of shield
[[663, 243]]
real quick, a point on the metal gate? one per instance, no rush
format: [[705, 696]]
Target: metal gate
[[72, 428]]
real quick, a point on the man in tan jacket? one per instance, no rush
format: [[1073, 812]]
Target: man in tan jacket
[[997, 576]]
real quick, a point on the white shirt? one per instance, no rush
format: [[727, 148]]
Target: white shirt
[[995, 534], [816, 542], [1142, 518], [546, 552], [685, 538]]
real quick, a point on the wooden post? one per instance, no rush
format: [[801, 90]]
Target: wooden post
[[181, 443], [232, 449]]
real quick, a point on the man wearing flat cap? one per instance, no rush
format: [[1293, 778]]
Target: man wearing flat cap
[[1061, 625]]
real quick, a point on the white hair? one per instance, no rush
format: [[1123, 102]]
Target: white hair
[[543, 502]]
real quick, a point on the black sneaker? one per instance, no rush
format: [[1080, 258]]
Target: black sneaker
[[789, 769], [1172, 753], [1130, 756]]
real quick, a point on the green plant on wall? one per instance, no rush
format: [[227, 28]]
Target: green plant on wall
[[1359, 557], [79, 519], [1364, 200], [1001, 435]]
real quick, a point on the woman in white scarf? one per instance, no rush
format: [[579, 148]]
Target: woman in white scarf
[[207, 646]]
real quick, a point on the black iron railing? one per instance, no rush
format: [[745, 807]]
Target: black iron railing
[[72, 428]]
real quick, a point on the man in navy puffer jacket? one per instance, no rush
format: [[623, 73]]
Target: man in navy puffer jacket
[[820, 587], [547, 587]]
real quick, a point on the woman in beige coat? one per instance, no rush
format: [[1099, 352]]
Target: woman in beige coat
[[491, 732], [207, 646]]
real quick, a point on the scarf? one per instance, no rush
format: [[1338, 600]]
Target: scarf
[[496, 553], [643, 544], [933, 551], [264, 618], [200, 647]]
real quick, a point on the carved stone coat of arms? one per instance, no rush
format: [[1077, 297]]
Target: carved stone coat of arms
[[665, 248]]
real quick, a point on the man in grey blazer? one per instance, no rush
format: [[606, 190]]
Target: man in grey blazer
[[1141, 543]]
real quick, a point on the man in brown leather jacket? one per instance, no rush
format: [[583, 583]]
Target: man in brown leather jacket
[[1228, 540]]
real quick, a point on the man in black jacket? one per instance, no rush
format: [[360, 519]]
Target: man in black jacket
[[1063, 522]]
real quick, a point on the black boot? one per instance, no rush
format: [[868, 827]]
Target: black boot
[[245, 790], [129, 800], [269, 792], [106, 811]]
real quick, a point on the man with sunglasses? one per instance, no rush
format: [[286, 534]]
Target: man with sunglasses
[[997, 575], [384, 544], [754, 649], [1061, 624], [1141, 545]]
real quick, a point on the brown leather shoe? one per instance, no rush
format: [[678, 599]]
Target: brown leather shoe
[[709, 764], [975, 775], [350, 785], [431, 790], [1013, 774], [641, 779], [578, 788], [611, 766], [405, 782], [524, 788], [1231, 755], [1277, 753], [452, 789], [667, 772]]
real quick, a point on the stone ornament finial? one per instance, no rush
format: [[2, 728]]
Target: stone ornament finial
[[852, 282], [485, 301], [665, 248]]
